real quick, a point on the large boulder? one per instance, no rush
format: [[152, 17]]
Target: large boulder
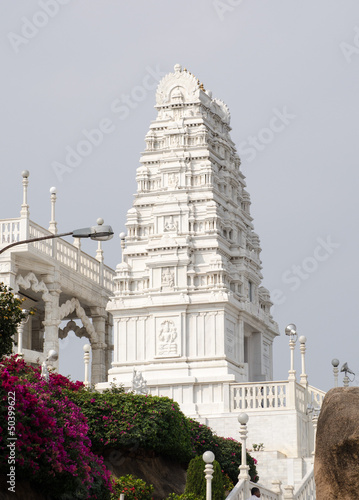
[[336, 466]]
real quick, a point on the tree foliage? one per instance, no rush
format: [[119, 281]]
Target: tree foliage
[[196, 482], [11, 316]]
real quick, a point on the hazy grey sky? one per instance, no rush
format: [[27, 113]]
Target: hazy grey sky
[[68, 70]]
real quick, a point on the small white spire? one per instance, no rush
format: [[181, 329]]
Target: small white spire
[[123, 245], [53, 223], [25, 212], [99, 251]]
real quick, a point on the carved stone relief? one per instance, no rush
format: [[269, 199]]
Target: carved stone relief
[[167, 277], [167, 336], [171, 225]]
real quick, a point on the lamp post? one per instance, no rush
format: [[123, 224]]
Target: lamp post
[[345, 368], [291, 331], [243, 468], [208, 457], [335, 363], [97, 233]]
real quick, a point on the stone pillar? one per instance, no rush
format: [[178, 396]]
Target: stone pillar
[[288, 492], [25, 213], [276, 486], [303, 375], [98, 366], [109, 342], [244, 468], [52, 321]]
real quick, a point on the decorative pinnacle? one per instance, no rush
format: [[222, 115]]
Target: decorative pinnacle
[[25, 174]]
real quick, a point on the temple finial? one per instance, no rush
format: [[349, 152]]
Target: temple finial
[[53, 223], [25, 212]]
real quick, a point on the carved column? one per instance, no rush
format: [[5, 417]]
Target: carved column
[[109, 342], [98, 366], [52, 321]]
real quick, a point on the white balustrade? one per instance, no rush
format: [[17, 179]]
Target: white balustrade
[[266, 395], [300, 398], [315, 396], [306, 490], [238, 492], [66, 253], [61, 250], [9, 231], [273, 396], [266, 494], [36, 231]]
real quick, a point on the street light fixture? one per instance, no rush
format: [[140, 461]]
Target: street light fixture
[[291, 332], [97, 233]]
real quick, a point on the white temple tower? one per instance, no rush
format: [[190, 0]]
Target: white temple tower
[[189, 309]]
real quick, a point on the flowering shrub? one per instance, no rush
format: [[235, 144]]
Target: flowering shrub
[[226, 450], [132, 487], [119, 420], [53, 450]]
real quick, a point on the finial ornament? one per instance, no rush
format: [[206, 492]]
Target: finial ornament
[[25, 212], [53, 223], [178, 68]]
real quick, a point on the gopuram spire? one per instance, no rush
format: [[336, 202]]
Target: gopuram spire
[[189, 308]]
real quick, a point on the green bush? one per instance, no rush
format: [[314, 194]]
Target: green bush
[[132, 487], [226, 450], [126, 420], [196, 481], [184, 496]]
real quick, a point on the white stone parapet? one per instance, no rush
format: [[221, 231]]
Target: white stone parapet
[[64, 252]]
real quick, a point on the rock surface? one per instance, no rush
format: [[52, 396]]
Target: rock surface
[[165, 475], [336, 467]]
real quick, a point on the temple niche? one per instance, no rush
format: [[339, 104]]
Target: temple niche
[[189, 309]]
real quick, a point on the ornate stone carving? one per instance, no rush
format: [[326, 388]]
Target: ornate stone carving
[[173, 181], [73, 327], [31, 281], [167, 336], [74, 305], [139, 384], [171, 225], [167, 277]]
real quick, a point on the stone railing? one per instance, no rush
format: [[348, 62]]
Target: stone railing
[[65, 253], [9, 231], [306, 491], [239, 491], [265, 395], [274, 396], [266, 494], [315, 396]]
